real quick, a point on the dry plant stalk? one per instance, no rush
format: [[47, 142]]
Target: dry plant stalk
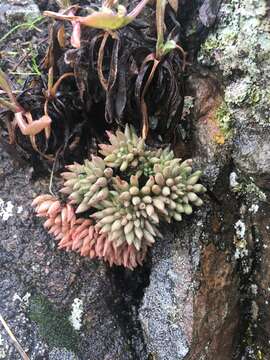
[[14, 340], [22, 119]]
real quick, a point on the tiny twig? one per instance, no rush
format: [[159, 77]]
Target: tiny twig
[[103, 81], [23, 73], [14, 340], [52, 172], [19, 62]]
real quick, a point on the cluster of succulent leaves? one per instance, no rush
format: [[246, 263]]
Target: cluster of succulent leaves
[[133, 188]]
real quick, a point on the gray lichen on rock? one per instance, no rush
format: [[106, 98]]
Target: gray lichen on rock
[[63, 354], [166, 312], [15, 12], [239, 50], [240, 46]]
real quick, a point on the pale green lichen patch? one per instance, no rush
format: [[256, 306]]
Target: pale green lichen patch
[[224, 119], [247, 188], [188, 105], [240, 48], [253, 189], [241, 250], [238, 92], [76, 314], [241, 30], [244, 91]]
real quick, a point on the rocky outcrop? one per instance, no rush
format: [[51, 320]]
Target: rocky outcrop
[[204, 290], [191, 308], [251, 154], [220, 311]]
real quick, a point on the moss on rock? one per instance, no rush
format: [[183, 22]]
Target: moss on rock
[[224, 119], [53, 324]]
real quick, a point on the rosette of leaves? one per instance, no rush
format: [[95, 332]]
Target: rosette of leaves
[[126, 149], [174, 188], [128, 216], [162, 187], [87, 184]]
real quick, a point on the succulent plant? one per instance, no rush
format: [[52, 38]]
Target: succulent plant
[[175, 189], [109, 18], [125, 151], [128, 216], [87, 184], [72, 234], [127, 194], [106, 18], [82, 236]]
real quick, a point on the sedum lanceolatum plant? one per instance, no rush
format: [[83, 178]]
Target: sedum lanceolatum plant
[[124, 196]]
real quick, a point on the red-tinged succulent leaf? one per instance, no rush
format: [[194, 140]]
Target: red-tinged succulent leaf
[[137, 10]]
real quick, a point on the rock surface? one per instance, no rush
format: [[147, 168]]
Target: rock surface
[[191, 309], [14, 11], [252, 154], [260, 285], [39, 284], [220, 310]]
